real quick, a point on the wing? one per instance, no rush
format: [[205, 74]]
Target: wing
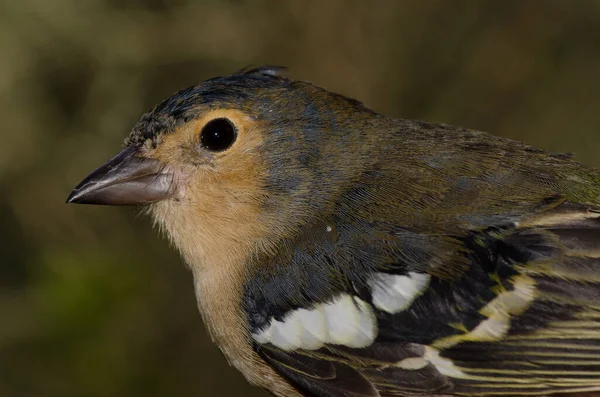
[[469, 268], [522, 319]]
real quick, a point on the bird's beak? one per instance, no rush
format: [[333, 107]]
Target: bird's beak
[[126, 179]]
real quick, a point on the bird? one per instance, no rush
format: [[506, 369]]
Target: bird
[[339, 252]]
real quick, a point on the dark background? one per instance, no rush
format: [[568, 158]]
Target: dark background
[[94, 303]]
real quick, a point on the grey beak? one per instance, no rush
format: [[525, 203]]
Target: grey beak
[[125, 180]]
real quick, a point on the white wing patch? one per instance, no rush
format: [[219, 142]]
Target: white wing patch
[[393, 293], [346, 320], [412, 363]]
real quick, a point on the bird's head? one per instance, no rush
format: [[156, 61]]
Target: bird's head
[[235, 160]]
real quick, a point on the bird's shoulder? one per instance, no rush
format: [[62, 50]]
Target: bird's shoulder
[[436, 279]]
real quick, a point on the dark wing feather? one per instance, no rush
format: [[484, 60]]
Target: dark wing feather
[[554, 344], [318, 376], [551, 345], [510, 236]]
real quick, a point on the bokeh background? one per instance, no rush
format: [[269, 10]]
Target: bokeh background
[[92, 302]]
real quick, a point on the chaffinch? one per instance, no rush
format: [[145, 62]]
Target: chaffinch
[[338, 252]]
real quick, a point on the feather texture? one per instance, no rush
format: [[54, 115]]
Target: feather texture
[[509, 240], [535, 332]]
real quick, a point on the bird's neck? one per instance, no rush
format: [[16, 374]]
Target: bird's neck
[[217, 248]]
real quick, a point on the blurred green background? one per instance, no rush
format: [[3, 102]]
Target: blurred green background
[[92, 302]]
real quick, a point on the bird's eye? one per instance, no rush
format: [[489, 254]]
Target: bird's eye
[[218, 135]]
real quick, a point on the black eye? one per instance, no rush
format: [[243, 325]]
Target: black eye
[[218, 135]]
